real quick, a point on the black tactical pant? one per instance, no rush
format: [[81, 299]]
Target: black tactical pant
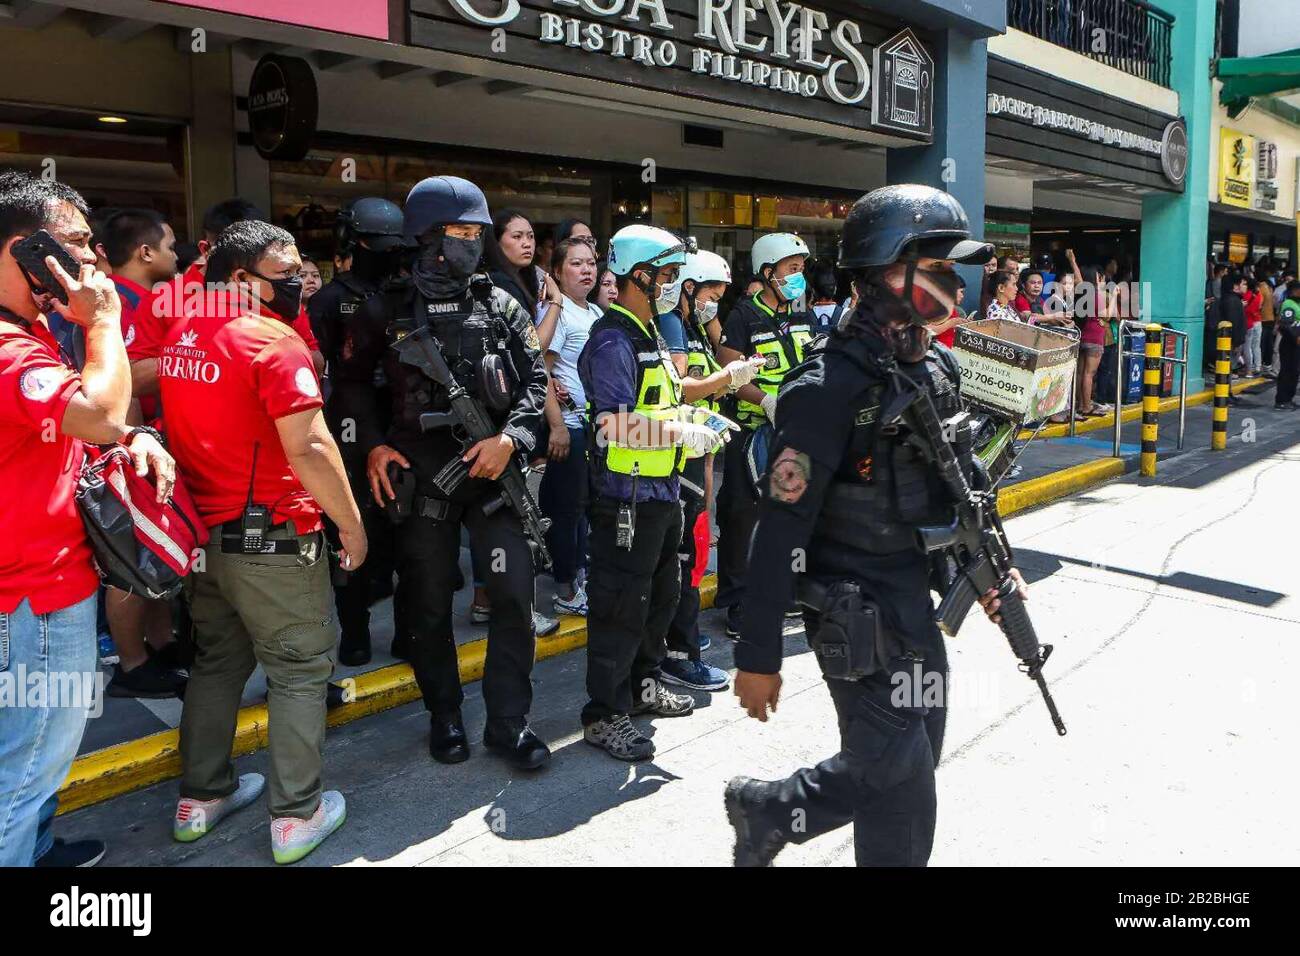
[[882, 780], [631, 597], [428, 562], [372, 581], [684, 631], [737, 515]]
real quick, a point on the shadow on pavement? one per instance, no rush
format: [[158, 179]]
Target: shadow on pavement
[[1037, 565]]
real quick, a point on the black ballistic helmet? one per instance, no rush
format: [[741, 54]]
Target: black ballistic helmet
[[442, 200], [896, 222], [377, 221]]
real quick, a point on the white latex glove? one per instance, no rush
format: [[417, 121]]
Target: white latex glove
[[769, 408], [698, 440], [742, 371]]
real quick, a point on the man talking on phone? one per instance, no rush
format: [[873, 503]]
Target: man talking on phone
[[244, 416], [47, 410]]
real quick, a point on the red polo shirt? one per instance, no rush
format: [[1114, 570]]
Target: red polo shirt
[[44, 553], [224, 382]]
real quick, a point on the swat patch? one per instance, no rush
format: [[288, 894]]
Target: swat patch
[[440, 308], [348, 308], [867, 416]]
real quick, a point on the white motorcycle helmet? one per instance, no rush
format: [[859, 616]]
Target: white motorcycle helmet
[[704, 266], [772, 248]]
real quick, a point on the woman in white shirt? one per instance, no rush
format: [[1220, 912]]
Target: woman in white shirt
[[564, 485]]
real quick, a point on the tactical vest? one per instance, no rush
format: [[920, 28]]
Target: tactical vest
[[781, 352], [884, 487], [658, 391], [468, 328], [700, 361]]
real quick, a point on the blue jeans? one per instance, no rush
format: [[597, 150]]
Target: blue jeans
[[563, 499], [40, 734]]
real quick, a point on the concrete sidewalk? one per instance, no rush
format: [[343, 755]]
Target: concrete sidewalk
[[133, 743], [1174, 649]]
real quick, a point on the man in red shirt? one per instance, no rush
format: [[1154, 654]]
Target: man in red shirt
[[215, 220], [47, 576], [245, 421], [141, 249]]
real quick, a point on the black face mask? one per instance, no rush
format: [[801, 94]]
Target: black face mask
[[444, 266], [286, 299], [371, 266]]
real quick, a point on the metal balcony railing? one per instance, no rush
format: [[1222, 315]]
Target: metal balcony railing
[[1130, 35]]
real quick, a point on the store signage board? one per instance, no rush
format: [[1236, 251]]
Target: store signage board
[[282, 107], [1266, 176], [1236, 168], [777, 56], [1171, 148], [363, 18], [1173, 152]]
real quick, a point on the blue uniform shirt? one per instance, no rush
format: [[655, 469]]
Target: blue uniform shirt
[[609, 373]]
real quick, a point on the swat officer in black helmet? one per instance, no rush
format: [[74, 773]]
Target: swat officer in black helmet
[[842, 497], [368, 241], [492, 350]]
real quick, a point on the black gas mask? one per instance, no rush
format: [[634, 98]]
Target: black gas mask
[[443, 267], [883, 313], [926, 295]]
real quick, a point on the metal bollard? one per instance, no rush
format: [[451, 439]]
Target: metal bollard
[[1222, 369], [1151, 399]]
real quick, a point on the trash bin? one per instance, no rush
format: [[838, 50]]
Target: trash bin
[[1134, 342]]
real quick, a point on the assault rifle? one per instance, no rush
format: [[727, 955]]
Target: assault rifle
[[975, 541], [470, 424]]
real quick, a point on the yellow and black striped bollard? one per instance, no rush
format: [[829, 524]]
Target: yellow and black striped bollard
[[1222, 369], [1151, 401]]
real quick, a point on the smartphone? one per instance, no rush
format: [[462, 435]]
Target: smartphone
[[31, 253]]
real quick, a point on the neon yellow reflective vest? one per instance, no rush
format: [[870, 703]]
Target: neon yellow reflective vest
[[659, 394], [781, 351]]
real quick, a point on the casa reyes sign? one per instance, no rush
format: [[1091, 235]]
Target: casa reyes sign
[[780, 46]]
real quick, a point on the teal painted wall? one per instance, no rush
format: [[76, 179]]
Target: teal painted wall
[[955, 160], [1175, 226]]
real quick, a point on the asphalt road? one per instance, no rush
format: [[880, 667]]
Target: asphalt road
[[1169, 604]]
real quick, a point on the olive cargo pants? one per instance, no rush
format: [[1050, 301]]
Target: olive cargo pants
[[270, 609]]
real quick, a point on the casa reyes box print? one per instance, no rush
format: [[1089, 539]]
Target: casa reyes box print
[[1015, 370]]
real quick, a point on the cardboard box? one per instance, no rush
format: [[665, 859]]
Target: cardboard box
[[1014, 370]]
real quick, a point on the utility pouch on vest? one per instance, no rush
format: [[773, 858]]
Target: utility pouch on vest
[[494, 384], [849, 642]]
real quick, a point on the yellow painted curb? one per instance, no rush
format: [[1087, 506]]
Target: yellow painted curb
[[1068, 481], [1133, 412], [136, 764]]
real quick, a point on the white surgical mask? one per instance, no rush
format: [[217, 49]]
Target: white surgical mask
[[708, 312], [670, 294]]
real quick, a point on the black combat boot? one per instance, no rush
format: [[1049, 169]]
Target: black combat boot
[[448, 742], [757, 842], [514, 740]]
